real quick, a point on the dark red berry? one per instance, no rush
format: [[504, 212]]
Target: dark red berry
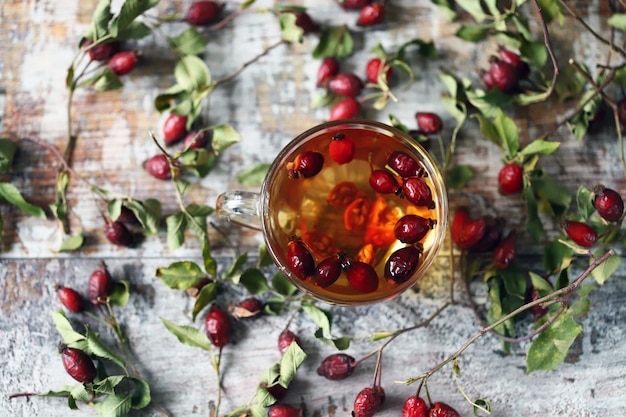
[[337, 366], [412, 228], [159, 167], [328, 69], [100, 285], [118, 234], [217, 326], [472, 232], [440, 409], [345, 84], [353, 4], [127, 216], [418, 192], [492, 236], [505, 251], [608, 203], [487, 79], [300, 260], [122, 62], [503, 75], [404, 164], [284, 410], [401, 264], [366, 403], [371, 14], [581, 233], [511, 179], [328, 271], [102, 51], [382, 181], [460, 219], [305, 22], [305, 165], [78, 364], [429, 123], [373, 70], [174, 128], [202, 13], [286, 338], [516, 61], [248, 308], [197, 140], [341, 148], [414, 407], [362, 277], [348, 108], [71, 299], [277, 391]]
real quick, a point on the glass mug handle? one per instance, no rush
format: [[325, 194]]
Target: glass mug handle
[[240, 207]]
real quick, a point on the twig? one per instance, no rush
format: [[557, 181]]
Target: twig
[[248, 63], [548, 43]]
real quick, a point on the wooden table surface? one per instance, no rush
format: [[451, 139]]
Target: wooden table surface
[[269, 103]]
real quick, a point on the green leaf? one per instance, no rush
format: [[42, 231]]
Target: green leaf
[[265, 259], [533, 222], [135, 30], [164, 101], [271, 375], [290, 362], [582, 305], [206, 295], [556, 256], [147, 212], [263, 398], [535, 54], [114, 208], [540, 147], [71, 243], [236, 266], [176, 225], [488, 129], [473, 7], [335, 41], [515, 285], [97, 347], [131, 9], [108, 384], [426, 49], [254, 175], [224, 136], [606, 268], [192, 73], [446, 9], [552, 198], [210, 264], [339, 343], [289, 31], [254, 281], [549, 349], [7, 152], [121, 293], [489, 103], [618, 21], [551, 10], [508, 132], [190, 42], [458, 176], [99, 25], [107, 80], [257, 411], [584, 202], [79, 393], [538, 282], [141, 397], [65, 328], [188, 335], [115, 405], [12, 195], [472, 33], [282, 285], [320, 317], [180, 275], [198, 214]]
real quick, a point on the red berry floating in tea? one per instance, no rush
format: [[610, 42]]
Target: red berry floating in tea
[[341, 148], [383, 182], [418, 192], [306, 165], [300, 260], [362, 277], [328, 271], [402, 264], [405, 165]]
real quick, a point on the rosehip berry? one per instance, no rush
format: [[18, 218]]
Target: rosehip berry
[[100, 285], [460, 219], [354, 4], [503, 75], [440, 409], [174, 128], [341, 148], [491, 238], [127, 216], [248, 308], [202, 13], [414, 407], [505, 252], [328, 271], [366, 403], [118, 234], [404, 165], [373, 70], [305, 165], [401, 264], [337, 366], [371, 15], [328, 69], [382, 181], [286, 338], [284, 410], [511, 179], [487, 79], [300, 260], [305, 22], [418, 192], [347, 108], [197, 140], [159, 167], [514, 59], [608, 203], [343, 194], [102, 51], [77, 364], [472, 232], [71, 299], [345, 84], [581, 233], [429, 123], [217, 326], [362, 277], [122, 62], [412, 228], [277, 391]]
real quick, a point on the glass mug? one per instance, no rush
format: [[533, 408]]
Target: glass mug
[[353, 222]]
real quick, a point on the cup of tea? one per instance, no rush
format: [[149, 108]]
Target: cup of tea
[[352, 211]]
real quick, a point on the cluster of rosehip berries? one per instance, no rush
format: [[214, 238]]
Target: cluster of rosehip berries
[[505, 72], [120, 62], [125, 230], [370, 13]]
